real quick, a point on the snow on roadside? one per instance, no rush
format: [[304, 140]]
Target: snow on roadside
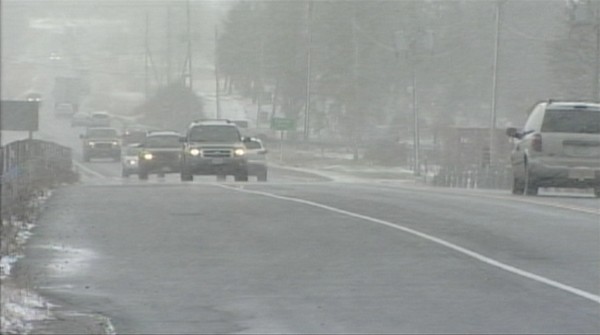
[[19, 306]]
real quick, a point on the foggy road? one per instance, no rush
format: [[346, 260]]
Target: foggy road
[[317, 257], [310, 251], [305, 254]]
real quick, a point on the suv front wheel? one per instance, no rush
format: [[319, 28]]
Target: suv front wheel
[[530, 185]]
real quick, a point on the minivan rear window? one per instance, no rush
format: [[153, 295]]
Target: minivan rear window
[[571, 121]]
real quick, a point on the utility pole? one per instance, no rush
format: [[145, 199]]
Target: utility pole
[[596, 85], [492, 134], [308, 70], [189, 75], [146, 56], [168, 51], [217, 92], [260, 80]]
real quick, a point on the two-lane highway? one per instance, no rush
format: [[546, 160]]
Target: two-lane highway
[[304, 253], [317, 257]]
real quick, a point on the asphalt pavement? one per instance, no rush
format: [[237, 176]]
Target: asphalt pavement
[[302, 255]]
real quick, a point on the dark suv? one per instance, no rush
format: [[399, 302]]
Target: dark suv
[[101, 142], [213, 147], [159, 153]]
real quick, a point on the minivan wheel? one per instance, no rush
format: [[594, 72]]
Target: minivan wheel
[[221, 177], [531, 187], [143, 175]]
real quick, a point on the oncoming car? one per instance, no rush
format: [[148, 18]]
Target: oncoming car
[[159, 154], [129, 160], [80, 119], [133, 135], [101, 142], [558, 147], [100, 119], [213, 147]]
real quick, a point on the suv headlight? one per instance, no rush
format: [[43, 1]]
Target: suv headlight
[[194, 152], [91, 144], [148, 156], [239, 152], [115, 143]]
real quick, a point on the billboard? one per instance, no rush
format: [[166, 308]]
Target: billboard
[[19, 115]]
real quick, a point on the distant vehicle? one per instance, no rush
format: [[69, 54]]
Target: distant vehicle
[[100, 119], [133, 135], [160, 154], [54, 56], [68, 90], [64, 110], [256, 155], [129, 160], [81, 119], [34, 97], [101, 142], [558, 147], [213, 147]]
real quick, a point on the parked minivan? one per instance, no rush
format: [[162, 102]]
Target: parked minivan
[[559, 146]]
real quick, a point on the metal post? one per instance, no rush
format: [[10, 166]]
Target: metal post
[[281, 146], [416, 141]]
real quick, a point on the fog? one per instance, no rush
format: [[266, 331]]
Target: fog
[[106, 40]]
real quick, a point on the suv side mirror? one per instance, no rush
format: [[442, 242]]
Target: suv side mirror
[[246, 139], [182, 139], [512, 132]]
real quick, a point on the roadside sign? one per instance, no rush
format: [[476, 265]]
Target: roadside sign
[[282, 124], [19, 115]]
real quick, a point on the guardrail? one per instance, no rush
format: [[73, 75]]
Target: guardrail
[[484, 177], [28, 167]]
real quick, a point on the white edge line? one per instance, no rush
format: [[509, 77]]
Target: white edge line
[[338, 177], [587, 295]]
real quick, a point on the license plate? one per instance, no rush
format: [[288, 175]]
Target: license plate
[[581, 174], [217, 160], [583, 151]]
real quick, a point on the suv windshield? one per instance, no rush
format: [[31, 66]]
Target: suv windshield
[[571, 121], [214, 133], [102, 133], [162, 142]]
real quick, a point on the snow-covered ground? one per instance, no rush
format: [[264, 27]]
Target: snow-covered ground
[[19, 304]]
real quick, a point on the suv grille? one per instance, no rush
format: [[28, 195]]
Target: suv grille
[[103, 146], [217, 153]]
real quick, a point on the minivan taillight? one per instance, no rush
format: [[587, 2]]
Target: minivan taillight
[[536, 143]]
